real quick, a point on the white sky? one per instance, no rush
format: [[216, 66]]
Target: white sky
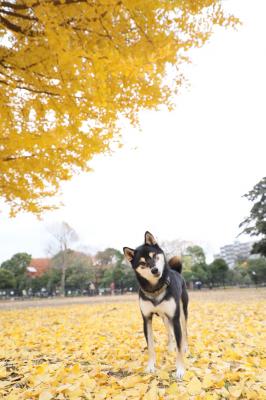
[[182, 176]]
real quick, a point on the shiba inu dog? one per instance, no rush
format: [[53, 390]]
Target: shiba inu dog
[[162, 291]]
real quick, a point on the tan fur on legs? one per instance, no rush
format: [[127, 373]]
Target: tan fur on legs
[[171, 343], [183, 324]]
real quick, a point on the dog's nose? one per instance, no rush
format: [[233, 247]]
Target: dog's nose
[[154, 271]]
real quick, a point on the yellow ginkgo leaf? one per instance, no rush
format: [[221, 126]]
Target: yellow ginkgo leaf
[[45, 395], [208, 381], [163, 375], [130, 381], [173, 389], [152, 394], [3, 372], [188, 375], [235, 391], [194, 386]]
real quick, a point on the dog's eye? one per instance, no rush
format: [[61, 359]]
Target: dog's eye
[[157, 257], [142, 264]]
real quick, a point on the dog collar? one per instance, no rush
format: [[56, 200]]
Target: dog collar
[[156, 292]]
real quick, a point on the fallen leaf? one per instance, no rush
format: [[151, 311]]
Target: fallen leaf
[[194, 387], [45, 395]]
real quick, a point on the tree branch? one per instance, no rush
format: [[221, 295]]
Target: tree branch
[[9, 25], [18, 15], [15, 6], [13, 158]]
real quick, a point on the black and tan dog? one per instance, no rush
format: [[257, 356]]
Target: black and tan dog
[[162, 292]]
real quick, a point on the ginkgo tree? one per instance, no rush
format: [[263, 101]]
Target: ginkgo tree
[[69, 69]]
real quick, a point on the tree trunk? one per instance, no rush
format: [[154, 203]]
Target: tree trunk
[[63, 277], [63, 280]]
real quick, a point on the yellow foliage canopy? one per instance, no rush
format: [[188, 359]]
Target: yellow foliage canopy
[[70, 68]]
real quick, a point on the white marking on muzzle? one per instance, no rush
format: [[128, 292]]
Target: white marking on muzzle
[[159, 264]]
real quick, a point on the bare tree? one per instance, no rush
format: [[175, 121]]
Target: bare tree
[[63, 236], [175, 247]]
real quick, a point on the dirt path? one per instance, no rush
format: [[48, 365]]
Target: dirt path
[[57, 302], [227, 295]]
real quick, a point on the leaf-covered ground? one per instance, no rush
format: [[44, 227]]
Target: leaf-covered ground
[[98, 352]]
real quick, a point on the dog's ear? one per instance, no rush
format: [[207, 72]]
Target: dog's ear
[[150, 239], [129, 253]]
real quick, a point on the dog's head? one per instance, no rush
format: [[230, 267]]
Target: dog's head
[[148, 260]]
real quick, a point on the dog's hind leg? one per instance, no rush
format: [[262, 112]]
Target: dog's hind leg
[[183, 324], [180, 367], [184, 316], [147, 324]]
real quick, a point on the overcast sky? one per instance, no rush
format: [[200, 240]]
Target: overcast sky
[[184, 174]]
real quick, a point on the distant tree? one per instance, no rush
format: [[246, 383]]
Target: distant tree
[[186, 263], [7, 279], [113, 269], [78, 266], [103, 261], [63, 236], [197, 254], [107, 277], [200, 272], [50, 280], [218, 271], [78, 276], [122, 275], [255, 224], [118, 275], [257, 270], [17, 265], [53, 277], [187, 274], [72, 258], [129, 278], [108, 257], [231, 277], [239, 273]]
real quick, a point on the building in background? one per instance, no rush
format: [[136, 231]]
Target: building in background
[[234, 252], [38, 266]]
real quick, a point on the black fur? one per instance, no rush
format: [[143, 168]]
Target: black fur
[[177, 286]]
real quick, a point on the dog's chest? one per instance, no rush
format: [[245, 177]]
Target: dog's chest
[[166, 307]]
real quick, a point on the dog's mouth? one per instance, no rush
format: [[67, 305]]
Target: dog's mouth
[[156, 275]]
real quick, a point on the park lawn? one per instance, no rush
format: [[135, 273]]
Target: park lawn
[[98, 352]]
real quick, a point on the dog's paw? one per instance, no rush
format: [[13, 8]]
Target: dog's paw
[[180, 373], [150, 368]]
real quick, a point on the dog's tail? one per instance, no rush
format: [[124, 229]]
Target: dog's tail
[[175, 263]]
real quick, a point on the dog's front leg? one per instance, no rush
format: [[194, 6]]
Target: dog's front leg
[[180, 367], [147, 324], [169, 329]]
